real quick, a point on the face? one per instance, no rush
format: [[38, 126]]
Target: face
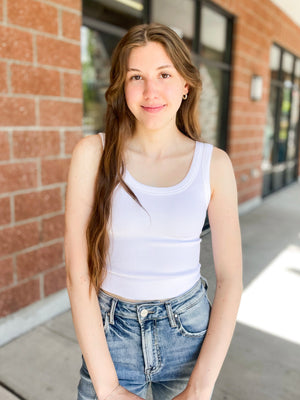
[[153, 88]]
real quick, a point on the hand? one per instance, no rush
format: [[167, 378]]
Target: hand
[[190, 394], [120, 393]]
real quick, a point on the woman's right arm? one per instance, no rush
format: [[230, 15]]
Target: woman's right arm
[[85, 308]]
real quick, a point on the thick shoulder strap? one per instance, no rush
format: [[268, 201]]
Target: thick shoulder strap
[[102, 135], [205, 167]]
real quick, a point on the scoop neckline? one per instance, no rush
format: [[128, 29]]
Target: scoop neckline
[[186, 181]]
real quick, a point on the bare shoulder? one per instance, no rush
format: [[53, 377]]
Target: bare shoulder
[[83, 170], [88, 148], [221, 170]]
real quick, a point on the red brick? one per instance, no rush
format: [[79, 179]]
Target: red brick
[[60, 113], [54, 281], [17, 111], [71, 24], [4, 146], [58, 53], [34, 204], [72, 85], [37, 261], [17, 176], [249, 194], [71, 138], [6, 272], [17, 297], [35, 143], [33, 14], [15, 44], [54, 171], [3, 77], [35, 80], [53, 228], [18, 238], [76, 4], [4, 211]]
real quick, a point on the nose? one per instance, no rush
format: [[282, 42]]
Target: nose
[[150, 88]]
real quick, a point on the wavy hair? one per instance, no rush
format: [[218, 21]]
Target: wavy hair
[[120, 125]]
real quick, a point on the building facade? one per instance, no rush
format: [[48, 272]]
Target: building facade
[[54, 66]]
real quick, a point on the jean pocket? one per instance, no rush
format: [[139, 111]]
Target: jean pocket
[[193, 321]]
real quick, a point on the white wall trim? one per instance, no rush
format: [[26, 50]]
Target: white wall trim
[[249, 205], [29, 317]]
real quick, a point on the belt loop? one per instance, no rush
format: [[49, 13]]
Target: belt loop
[[205, 282], [112, 311], [170, 315]]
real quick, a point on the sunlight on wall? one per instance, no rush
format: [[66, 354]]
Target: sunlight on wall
[[271, 302]]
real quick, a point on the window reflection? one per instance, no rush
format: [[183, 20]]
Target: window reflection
[[275, 61], [178, 14], [270, 130], [210, 103], [213, 29], [96, 48], [105, 21]]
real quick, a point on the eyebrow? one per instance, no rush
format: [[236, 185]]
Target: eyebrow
[[161, 67]]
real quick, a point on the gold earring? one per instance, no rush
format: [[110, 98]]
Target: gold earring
[[184, 96]]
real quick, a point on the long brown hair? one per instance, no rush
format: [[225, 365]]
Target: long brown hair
[[120, 125]]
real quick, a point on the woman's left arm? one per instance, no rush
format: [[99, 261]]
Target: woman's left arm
[[227, 255]]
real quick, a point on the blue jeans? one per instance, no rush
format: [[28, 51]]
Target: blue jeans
[[153, 343]]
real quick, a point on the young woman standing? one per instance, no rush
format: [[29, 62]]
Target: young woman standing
[[136, 202]]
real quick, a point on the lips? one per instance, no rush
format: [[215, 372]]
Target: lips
[[153, 109]]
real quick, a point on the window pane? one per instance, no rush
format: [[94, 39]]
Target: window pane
[[270, 130], [297, 69], [275, 61], [177, 14], [210, 101], [292, 139], [213, 28], [118, 13], [107, 21], [287, 66], [95, 60], [284, 122]]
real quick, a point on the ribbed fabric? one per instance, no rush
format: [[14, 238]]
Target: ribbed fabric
[[156, 256]]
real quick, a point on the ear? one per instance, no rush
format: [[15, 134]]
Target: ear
[[187, 88]]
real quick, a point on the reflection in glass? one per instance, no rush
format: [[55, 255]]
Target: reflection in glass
[[96, 48], [292, 138], [178, 14], [284, 121], [269, 131], [209, 106], [213, 28], [275, 61], [287, 66]]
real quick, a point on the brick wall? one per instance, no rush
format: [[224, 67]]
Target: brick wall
[[258, 25], [40, 122]]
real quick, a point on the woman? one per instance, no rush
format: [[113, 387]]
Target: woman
[[139, 307]]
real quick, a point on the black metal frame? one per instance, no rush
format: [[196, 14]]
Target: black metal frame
[[279, 85]]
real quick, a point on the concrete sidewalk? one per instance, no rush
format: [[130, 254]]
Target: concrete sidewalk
[[263, 360]]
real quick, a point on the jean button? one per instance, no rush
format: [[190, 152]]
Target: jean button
[[144, 313]]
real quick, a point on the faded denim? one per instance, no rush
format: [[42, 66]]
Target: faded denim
[[152, 343]]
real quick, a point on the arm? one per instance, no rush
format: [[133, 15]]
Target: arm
[[85, 309], [227, 254]]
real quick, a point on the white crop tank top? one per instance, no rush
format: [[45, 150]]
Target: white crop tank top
[[156, 256]]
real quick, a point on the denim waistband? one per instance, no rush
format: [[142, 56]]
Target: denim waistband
[[157, 309]]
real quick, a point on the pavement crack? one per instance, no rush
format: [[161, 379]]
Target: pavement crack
[[12, 391]]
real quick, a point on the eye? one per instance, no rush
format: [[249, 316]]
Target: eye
[[135, 78], [165, 75]]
